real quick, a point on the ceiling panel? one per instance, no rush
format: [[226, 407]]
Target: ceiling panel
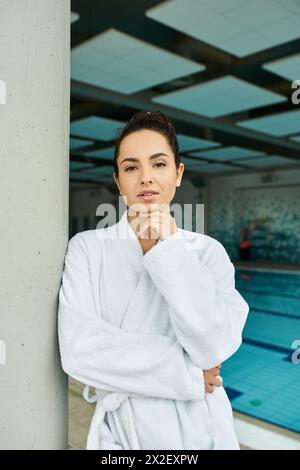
[[79, 165], [107, 153], [187, 143], [219, 97], [227, 153], [120, 62], [288, 68], [239, 27], [74, 17], [95, 127], [279, 124], [97, 173], [216, 168], [269, 161], [78, 143], [191, 163]]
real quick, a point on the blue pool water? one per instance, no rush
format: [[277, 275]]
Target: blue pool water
[[260, 379]]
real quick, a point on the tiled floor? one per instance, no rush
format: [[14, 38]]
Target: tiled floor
[[80, 415]]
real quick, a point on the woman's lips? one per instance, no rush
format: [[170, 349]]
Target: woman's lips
[[148, 198]]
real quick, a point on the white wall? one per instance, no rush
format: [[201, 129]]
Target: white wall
[[35, 54]]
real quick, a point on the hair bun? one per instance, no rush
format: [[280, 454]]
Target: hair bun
[[151, 120]]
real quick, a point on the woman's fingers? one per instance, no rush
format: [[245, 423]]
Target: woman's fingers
[[214, 371], [216, 382], [212, 380], [208, 388]]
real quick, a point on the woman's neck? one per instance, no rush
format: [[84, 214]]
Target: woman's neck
[[147, 244]]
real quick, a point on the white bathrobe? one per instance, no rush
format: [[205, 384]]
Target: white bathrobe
[[141, 329]]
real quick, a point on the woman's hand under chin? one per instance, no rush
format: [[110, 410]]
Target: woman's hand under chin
[[157, 224]]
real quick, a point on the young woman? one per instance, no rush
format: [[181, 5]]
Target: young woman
[[148, 318]]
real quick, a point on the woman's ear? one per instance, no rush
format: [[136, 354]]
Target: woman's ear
[[116, 180], [179, 174], [117, 183]]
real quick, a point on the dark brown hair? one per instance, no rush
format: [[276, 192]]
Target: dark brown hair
[[154, 121]]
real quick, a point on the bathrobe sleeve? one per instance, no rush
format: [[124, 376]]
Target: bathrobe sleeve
[[99, 354], [206, 311]]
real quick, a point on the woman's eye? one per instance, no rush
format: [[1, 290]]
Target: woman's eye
[[128, 168]]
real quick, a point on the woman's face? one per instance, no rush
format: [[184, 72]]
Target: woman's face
[[146, 163]]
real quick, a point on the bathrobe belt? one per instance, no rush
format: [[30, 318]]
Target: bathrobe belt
[[110, 401]]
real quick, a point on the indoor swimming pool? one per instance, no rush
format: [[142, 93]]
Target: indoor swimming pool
[[260, 379]]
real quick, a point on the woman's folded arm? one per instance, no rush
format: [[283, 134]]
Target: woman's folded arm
[[206, 311], [101, 355]]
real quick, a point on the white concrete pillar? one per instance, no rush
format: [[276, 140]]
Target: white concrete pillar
[[34, 188]]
